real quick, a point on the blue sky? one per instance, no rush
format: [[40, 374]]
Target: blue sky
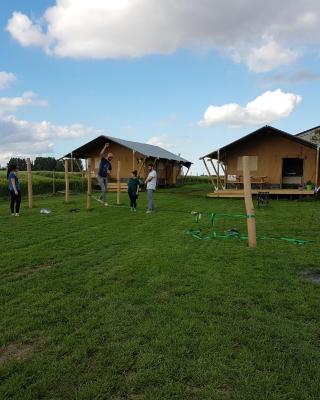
[[134, 75]]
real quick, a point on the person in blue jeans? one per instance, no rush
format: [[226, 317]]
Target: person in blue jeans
[[14, 189], [105, 169]]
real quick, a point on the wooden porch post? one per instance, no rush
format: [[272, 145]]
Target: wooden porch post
[[133, 160], [89, 182], [118, 183], [30, 199], [210, 176], [251, 222], [317, 167]]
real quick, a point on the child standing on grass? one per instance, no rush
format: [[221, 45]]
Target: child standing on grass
[[133, 190], [14, 189]]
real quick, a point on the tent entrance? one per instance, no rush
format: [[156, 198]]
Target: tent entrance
[[292, 172]]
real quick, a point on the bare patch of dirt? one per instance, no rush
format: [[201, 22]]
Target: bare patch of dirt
[[28, 270], [15, 351]]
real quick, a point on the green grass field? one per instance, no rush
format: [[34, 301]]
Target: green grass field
[[110, 304]]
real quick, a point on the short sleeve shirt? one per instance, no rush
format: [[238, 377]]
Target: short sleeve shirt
[[152, 184], [104, 167]]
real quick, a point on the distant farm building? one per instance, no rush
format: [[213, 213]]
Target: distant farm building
[[279, 162], [133, 156]]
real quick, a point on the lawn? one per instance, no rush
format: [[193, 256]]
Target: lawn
[[110, 304]]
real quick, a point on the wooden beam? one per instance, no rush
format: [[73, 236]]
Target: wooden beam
[[251, 221], [53, 182], [218, 175], [317, 168], [30, 199], [118, 183], [210, 176], [141, 166], [89, 163], [133, 160], [66, 181], [185, 175]]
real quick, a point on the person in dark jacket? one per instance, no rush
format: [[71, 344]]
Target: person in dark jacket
[[133, 190], [14, 189], [105, 169]]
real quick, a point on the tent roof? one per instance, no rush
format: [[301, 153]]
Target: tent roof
[[265, 130], [147, 150]]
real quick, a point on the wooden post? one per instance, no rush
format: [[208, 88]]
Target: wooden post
[[210, 177], [141, 166], [89, 182], [133, 160], [317, 168], [71, 163], [118, 183], [218, 168], [66, 181], [29, 182], [53, 182], [251, 222]]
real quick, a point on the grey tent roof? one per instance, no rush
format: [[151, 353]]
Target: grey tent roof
[[145, 149]]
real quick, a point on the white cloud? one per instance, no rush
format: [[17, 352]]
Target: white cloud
[[267, 57], [6, 79], [262, 35], [24, 138], [10, 104], [265, 109]]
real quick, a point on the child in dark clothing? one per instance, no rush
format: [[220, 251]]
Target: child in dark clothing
[[133, 190]]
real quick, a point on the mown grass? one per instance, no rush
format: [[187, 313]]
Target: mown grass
[[110, 304]]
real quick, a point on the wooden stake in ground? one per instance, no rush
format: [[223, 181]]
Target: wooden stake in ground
[[66, 181], [89, 190], [251, 221], [29, 182], [118, 183]]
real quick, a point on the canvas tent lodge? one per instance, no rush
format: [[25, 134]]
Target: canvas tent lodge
[[132, 156], [279, 162]]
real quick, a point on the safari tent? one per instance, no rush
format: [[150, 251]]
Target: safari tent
[[279, 162], [133, 155]]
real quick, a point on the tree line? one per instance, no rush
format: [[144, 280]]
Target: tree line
[[45, 164]]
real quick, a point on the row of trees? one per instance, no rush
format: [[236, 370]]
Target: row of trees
[[45, 164]]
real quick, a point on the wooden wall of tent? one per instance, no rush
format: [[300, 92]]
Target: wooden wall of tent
[[168, 171], [270, 151]]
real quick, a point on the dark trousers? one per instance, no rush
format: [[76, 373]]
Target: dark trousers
[[133, 199], [15, 201]]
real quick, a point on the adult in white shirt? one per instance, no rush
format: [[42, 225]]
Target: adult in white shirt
[[151, 183]]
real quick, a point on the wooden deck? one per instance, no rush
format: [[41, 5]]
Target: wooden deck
[[238, 193]]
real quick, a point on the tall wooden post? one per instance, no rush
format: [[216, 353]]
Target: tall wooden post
[[118, 183], [251, 221], [66, 181], [29, 182], [53, 182], [89, 181], [218, 168], [133, 160], [317, 168]]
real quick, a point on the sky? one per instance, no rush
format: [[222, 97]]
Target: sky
[[187, 75]]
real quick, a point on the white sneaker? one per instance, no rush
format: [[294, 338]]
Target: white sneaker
[[106, 204], [148, 212], [135, 210], [17, 215]]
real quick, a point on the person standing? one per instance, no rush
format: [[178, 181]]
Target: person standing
[[133, 190], [14, 189], [105, 169], [151, 183]]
